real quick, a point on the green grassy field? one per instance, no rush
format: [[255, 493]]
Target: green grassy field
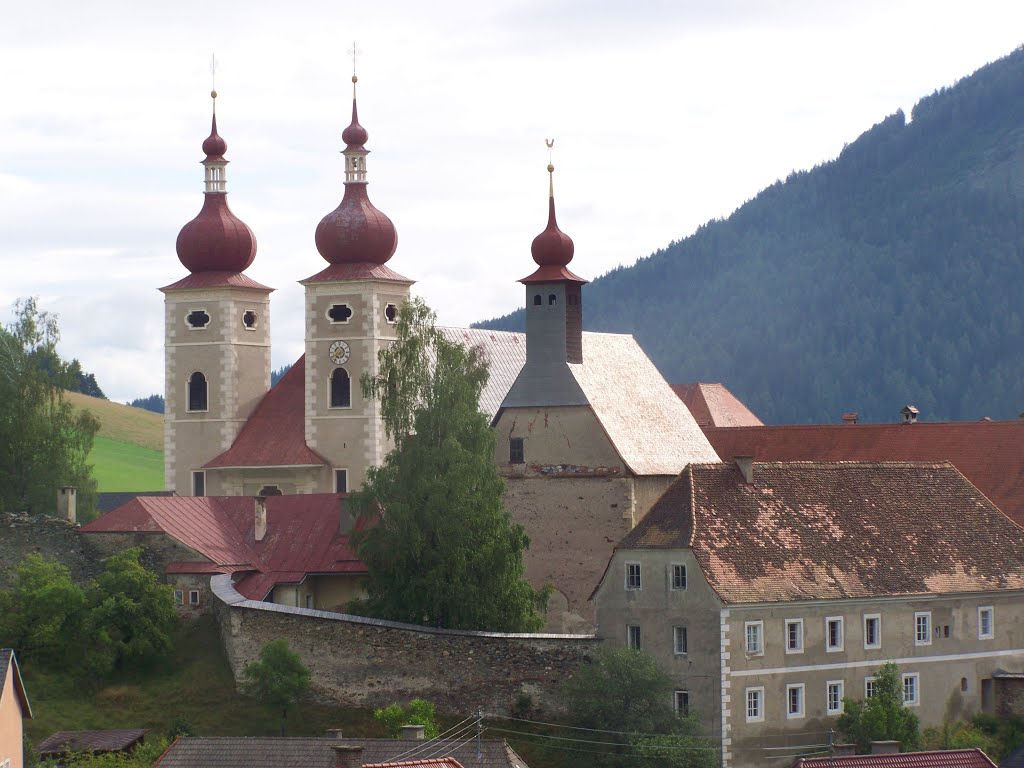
[[127, 454], [121, 466]]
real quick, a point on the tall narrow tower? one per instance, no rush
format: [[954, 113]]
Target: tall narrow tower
[[216, 334], [351, 310], [554, 321]]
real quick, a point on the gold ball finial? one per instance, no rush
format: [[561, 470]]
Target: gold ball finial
[[213, 94], [551, 168], [355, 79]]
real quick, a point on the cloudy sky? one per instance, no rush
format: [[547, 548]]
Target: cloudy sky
[[666, 113]]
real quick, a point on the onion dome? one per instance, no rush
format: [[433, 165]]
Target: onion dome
[[216, 240], [355, 232], [552, 249]]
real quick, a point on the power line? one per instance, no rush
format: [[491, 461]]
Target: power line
[[422, 745], [632, 745]]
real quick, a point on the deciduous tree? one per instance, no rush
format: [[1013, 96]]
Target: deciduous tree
[[277, 679], [44, 442], [883, 717], [42, 614], [443, 551]]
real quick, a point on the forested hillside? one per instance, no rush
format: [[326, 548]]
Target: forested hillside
[[893, 274]]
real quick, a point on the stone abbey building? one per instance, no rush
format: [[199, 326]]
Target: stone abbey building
[[588, 432]]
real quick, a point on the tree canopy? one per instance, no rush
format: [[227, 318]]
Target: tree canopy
[[882, 717], [442, 551], [44, 442], [624, 693], [277, 679]]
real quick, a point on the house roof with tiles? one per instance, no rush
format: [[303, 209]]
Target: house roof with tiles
[[305, 752], [988, 453], [712, 405], [950, 758], [824, 531], [64, 742], [274, 435], [302, 536]]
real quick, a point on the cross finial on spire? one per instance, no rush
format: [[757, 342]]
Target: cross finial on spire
[[213, 81], [355, 52], [550, 143]]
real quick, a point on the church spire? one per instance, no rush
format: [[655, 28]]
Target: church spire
[[552, 249]]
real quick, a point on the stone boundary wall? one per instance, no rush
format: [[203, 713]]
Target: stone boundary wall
[[357, 661], [52, 537]]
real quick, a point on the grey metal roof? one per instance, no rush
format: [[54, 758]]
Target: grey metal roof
[[306, 752]]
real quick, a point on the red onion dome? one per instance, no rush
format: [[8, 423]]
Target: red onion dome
[[215, 146], [355, 231], [216, 239], [355, 135], [552, 247]]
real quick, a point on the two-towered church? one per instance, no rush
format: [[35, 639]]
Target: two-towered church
[[588, 432]]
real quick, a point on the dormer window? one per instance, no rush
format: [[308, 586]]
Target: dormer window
[[197, 319], [339, 313]]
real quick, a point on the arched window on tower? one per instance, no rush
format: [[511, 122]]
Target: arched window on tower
[[341, 389], [552, 299], [197, 400], [537, 300]]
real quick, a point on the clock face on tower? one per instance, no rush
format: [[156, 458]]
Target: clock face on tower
[[339, 352]]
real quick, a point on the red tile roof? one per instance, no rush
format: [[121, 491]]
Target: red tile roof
[[989, 453], [358, 271], [807, 530], [712, 405], [302, 536], [436, 762], [274, 435], [216, 280], [952, 758]]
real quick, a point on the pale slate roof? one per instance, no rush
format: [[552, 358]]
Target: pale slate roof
[[505, 352], [650, 427], [825, 531]]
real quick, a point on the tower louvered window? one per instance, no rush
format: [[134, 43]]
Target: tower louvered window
[[341, 389], [197, 392]]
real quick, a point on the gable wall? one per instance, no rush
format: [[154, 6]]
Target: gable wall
[[11, 729]]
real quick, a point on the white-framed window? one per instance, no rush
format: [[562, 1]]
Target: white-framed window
[[179, 597], [755, 704], [911, 689], [681, 702], [250, 320], [193, 597], [923, 628], [794, 635], [986, 622], [834, 690], [869, 687], [633, 636], [679, 641], [753, 631], [391, 313], [834, 633], [199, 483], [872, 631], [341, 481], [794, 700], [339, 314], [197, 319], [632, 575], [677, 577]]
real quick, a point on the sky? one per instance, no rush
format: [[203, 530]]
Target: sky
[[665, 114]]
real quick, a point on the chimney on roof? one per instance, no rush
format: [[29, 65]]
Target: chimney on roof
[[67, 503], [885, 747], [347, 755], [909, 414], [842, 750], [850, 418], [413, 732], [746, 465], [346, 520], [261, 518], [334, 733]]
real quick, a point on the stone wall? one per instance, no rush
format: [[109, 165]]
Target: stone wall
[[51, 537], [363, 662]]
